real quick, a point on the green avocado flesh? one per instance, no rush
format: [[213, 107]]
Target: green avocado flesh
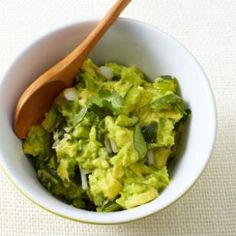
[[105, 143]]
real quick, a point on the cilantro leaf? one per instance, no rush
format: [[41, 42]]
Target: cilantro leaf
[[169, 101], [108, 99], [112, 100], [139, 142], [150, 132]]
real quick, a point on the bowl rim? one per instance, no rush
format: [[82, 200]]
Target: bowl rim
[[212, 101]]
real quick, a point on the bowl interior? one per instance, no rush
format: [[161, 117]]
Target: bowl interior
[[128, 42]]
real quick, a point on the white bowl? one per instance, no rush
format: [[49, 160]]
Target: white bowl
[[129, 42]]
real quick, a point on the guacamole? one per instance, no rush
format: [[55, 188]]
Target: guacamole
[[106, 142]]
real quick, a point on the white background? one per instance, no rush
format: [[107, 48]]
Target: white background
[[208, 29]]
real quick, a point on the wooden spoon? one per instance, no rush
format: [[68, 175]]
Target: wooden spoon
[[39, 96]]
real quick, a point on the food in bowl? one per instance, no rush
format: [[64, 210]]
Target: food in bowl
[[106, 142]]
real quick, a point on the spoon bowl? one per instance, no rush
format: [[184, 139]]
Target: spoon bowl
[[27, 115]]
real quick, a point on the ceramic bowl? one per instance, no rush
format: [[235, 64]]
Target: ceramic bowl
[[128, 42]]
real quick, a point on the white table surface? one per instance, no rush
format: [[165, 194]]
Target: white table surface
[[208, 29]]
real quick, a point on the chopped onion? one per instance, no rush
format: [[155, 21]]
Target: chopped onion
[[56, 136], [57, 140], [55, 144], [70, 94], [84, 181], [67, 136], [106, 72], [113, 146], [67, 129], [150, 157]]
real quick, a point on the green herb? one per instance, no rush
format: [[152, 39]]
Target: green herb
[[108, 99], [111, 100], [139, 142], [110, 206], [150, 132], [79, 117], [169, 101]]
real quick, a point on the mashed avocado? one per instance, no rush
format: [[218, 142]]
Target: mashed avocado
[[105, 143]]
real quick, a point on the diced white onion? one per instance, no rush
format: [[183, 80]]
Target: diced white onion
[[67, 136], [67, 129], [113, 146], [58, 141], [55, 144], [56, 136], [85, 172], [70, 94], [106, 72], [84, 181], [150, 157]]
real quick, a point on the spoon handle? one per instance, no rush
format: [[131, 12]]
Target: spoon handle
[[71, 64], [102, 27]]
